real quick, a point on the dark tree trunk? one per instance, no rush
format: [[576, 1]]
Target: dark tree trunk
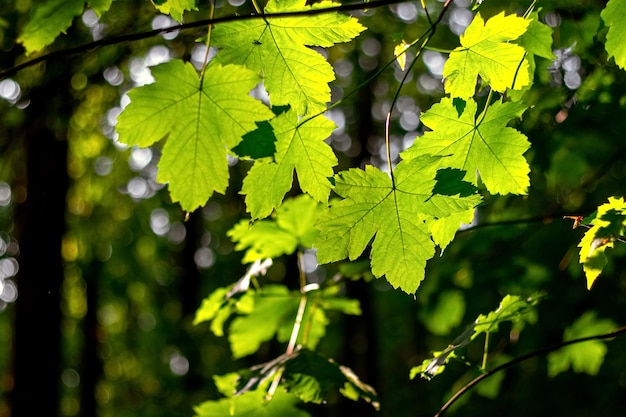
[[41, 225], [91, 365]]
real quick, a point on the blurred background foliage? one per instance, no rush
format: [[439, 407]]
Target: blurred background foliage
[[129, 270]]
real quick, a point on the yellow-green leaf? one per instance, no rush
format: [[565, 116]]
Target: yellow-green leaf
[[277, 48], [203, 120], [608, 225], [48, 21], [175, 8], [394, 215], [485, 144], [299, 147], [486, 51], [614, 16]]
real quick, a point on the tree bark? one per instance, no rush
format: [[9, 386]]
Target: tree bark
[[41, 225]]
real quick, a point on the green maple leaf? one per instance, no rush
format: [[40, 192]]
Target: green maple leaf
[[486, 145], [273, 307], [373, 207], [204, 118], [48, 21], [277, 49], [537, 39], [486, 51], [252, 404], [614, 16], [175, 8], [608, 225], [291, 227], [299, 147]]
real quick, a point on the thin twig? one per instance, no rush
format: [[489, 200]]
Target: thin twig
[[430, 32], [507, 365], [133, 37]]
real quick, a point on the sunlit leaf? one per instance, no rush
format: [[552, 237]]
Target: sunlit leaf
[[486, 51], [49, 20], [311, 377], [175, 8], [537, 39], [607, 226], [252, 404], [486, 145], [277, 48], [614, 16], [400, 53], [512, 308], [204, 118], [273, 306], [291, 227], [300, 148], [586, 357], [392, 215]]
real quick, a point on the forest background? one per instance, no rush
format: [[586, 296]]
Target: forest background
[[102, 274]]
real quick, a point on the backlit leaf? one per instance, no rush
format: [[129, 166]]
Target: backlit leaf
[[48, 21], [310, 376], [299, 147], [291, 227], [607, 226], [393, 217], [486, 51], [252, 404], [273, 306], [203, 118], [486, 146], [277, 49], [537, 39], [614, 16], [400, 53], [512, 308], [175, 8]]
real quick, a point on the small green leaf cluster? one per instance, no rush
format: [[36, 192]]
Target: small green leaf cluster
[[512, 308], [255, 316]]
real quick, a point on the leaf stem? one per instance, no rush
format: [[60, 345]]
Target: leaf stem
[[427, 37], [482, 115], [293, 339], [208, 42], [256, 7], [483, 366]]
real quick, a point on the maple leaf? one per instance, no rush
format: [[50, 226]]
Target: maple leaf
[[299, 147], [175, 8], [537, 40], [373, 207], [485, 50], [614, 16], [608, 225], [486, 145], [291, 227], [203, 117], [252, 403], [277, 49], [48, 21]]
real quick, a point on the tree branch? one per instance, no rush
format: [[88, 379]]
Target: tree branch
[[132, 37], [510, 364]]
